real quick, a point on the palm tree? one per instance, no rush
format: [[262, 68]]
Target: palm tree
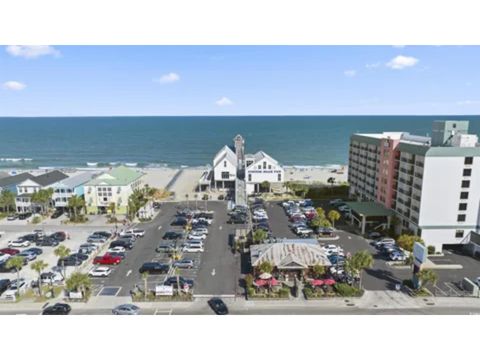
[[38, 266], [265, 185], [177, 274], [358, 262], [265, 267], [318, 270], [15, 262], [43, 197], [426, 276], [145, 284], [186, 198], [259, 236], [74, 203], [78, 282], [333, 215], [111, 208], [7, 200], [62, 252], [320, 213]]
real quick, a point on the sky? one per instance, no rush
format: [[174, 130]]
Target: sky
[[238, 80]]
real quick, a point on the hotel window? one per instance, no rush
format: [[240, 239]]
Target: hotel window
[[225, 163], [249, 177], [467, 172], [279, 177], [264, 164], [465, 184], [461, 217], [459, 234], [259, 166], [464, 195], [269, 167], [468, 160], [225, 175], [462, 206]]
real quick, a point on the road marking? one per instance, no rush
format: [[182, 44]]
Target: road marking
[[159, 227], [128, 272], [213, 272], [349, 237], [220, 227]]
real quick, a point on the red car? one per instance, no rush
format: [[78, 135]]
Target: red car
[[107, 260], [9, 251]]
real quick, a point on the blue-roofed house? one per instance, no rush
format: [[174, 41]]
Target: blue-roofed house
[[64, 189]]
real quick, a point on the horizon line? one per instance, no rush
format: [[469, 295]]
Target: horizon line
[[250, 115]]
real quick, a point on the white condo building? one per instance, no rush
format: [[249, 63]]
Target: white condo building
[[431, 183]]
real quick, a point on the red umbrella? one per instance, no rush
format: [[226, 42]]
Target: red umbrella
[[329, 282], [317, 282], [260, 282], [273, 282]]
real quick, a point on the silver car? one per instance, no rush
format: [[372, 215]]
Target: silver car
[[126, 309]]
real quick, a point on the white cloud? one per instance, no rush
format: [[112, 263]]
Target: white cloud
[[168, 78], [14, 85], [468, 102], [373, 65], [401, 62], [350, 73], [224, 101], [31, 51]]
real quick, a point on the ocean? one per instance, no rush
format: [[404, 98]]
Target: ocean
[[191, 141]]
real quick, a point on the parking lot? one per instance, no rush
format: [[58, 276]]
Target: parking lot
[[215, 271], [382, 276]]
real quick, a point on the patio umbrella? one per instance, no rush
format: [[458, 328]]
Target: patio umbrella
[[260, 282], [273, 282], [329, 282], [265, 276], [317, 282]]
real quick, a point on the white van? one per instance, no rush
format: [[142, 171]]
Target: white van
[[193, 247]]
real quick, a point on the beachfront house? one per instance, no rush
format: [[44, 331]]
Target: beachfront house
[[225, 168], [31, 185], [64, 189], [10, 182], [290, 258], [114, 186], [260, 168]]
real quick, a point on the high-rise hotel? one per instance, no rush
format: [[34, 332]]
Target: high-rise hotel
[[431, 183]]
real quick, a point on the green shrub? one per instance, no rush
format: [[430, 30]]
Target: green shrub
[[249, 280], [431, 249], [36, 219], [346, 290], [308, 292], [250, 291], [284, 292]]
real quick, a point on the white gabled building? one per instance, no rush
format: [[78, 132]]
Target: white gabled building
[[225, 168], [261, 167]]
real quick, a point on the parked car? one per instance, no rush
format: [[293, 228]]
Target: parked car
[[51, 277], [172, 281], [4, 285], [179, 221], [117, 249], [47, 241], [12, 217], [100, 271], [196, 236], [96, 238], [135, 232], [172, 235], [107, 260], [218, 306], [326, 232], [77, 255], [183, 264], [200, 230], [24, 216], [119, 254], [166, 248], [69, 261], [34, 250], [191, 248], [397, 256], [374, 235], [126, 309], [9, 251], [57, 309], [59, 236], [17, 286], [20, 242], [56, 214], [27, 256], [105, 234], [385, 241], [237, 219], [4, 257], [154, 268], [127, 244]]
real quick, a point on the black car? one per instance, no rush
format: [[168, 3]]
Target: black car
[[47, 241], [81, 257], [166, 248], [218, 306], [237, 220], [119, 254], [154, 268], [104, 234], [24, 216], [59, 236], [36, 251], [56, 214], [156, 205], [57, 309], [179, 221], [173, 281], [4, 284], [31, 237], [5, 269], [127, 244], [172, 235], [69, 261]]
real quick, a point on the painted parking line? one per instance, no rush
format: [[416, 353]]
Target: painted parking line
[[163, 312], [160, 227], [451, 287], [128, 273]]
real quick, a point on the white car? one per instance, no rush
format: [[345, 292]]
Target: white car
[[397, 256], [100, 271], [19, 243], [196, 236], [477, 281], [260, 217], [201, 219], [117, 249], [11, 293], [4, 257], [303, 231], [201, 230], [136, 232], [192, 248]]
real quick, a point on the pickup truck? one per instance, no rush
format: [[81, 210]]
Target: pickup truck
[[107, 260]]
